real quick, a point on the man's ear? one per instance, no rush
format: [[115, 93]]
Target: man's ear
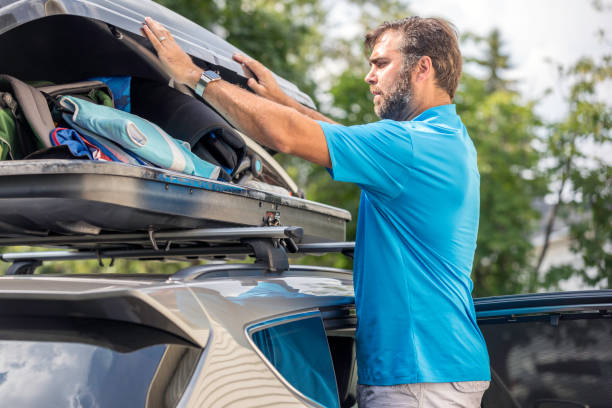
[[423, 70]]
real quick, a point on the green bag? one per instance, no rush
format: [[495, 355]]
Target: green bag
[[7, 134], [17, 139], [25, 116]]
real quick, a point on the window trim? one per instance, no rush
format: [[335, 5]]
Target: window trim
[[195, 376], [277, 321]]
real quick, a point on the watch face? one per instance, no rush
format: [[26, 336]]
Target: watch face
[[212, 75], [206, 78]]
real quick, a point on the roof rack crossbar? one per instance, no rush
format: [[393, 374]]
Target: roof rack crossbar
[[201, 234], [245, 248], [127, 253], [269, 253], [346, 248]]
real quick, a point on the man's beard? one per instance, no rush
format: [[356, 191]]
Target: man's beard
[[398, 103]]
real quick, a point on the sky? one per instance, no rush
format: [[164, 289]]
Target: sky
[[534, 30]]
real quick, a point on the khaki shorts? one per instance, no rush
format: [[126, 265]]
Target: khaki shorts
[[464, 394]]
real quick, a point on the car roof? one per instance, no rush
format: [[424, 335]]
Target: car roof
[[228, 297], [129, 15]]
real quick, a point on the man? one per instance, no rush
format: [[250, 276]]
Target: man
[[418, 344]]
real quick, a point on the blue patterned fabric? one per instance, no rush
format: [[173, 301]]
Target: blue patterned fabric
[[70, 138], [135, 135]]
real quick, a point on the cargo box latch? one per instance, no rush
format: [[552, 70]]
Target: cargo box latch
[[272, 219]]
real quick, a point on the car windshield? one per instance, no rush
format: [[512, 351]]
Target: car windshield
[[94, 369]]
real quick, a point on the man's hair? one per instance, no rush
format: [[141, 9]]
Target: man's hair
[[434, 37]]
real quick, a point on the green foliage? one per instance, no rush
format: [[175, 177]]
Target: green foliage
[[582, 175], [503, 129], [352, 98], [493, 60]]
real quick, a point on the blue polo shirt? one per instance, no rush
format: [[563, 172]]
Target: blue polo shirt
[[416, 237]]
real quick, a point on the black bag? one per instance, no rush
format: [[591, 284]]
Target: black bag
[[186, 118]]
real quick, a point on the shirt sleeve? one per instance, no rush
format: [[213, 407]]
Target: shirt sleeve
[[376, 156]]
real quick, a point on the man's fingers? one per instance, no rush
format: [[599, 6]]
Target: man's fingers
[[254, 85], [255, 66], [158, 30], [241, 59], [152, 37], [238, 58], [155, 27]]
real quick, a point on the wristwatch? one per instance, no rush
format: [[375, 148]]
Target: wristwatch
[[206, 78]]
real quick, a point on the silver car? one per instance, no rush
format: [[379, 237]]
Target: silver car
[[211, 336]]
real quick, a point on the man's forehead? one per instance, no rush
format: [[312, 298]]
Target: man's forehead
[[387, 45]]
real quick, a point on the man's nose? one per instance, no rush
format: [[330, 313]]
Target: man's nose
[[370, 78]]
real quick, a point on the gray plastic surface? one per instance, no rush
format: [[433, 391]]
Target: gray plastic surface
[[41, 197], [129, 15]]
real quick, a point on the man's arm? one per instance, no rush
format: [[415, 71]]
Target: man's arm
[[276, 126], [264, 84], [282, 128]]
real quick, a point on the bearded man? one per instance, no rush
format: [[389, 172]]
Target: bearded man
[[418, 344]]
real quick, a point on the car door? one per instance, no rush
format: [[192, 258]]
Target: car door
[[549, 350]]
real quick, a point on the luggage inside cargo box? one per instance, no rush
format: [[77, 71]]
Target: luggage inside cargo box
[[71, 48]]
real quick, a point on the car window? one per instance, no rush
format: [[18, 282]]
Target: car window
[[300, 353], [97, 369], [544, 363]]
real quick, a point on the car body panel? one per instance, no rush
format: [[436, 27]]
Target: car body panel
[[167, 307], [212, 312]]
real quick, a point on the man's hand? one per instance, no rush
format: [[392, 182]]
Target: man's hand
[[263, 84], [266, 86], [176, 61]]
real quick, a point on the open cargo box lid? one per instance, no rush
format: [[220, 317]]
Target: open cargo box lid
[[125, 15], [76, 197]]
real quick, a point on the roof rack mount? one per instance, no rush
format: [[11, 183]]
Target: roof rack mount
[[267, 244]]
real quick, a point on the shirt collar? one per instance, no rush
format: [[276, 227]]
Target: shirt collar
[[436, 111]]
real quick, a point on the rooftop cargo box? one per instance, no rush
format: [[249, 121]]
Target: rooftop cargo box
[[68, 41]]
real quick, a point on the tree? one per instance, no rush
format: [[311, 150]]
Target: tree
[[582, 176], [494, 61], [503, 129]]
